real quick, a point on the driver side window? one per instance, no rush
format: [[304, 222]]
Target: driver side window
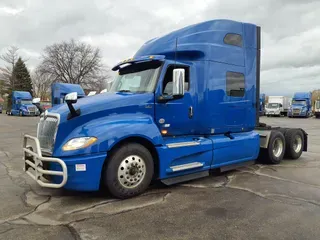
[[167, 81]]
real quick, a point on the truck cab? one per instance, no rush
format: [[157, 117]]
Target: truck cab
[[22, 105], [60, 90], [301, 105], [184, 104]]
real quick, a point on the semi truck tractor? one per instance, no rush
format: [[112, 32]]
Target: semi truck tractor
[[184, 104], [21, 105], [317, 108], [301, 105], [277, 106], [60, 90]]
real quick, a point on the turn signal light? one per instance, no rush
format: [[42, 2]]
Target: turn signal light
[[164, 132]]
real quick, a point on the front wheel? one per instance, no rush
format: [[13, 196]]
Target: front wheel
[[129, 171]]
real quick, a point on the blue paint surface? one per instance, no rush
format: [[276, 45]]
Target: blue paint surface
[[88, 180]]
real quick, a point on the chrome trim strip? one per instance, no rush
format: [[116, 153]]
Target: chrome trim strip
[[183, 144], [186, 166]]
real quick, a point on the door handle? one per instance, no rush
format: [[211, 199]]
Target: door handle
[[190, 112]]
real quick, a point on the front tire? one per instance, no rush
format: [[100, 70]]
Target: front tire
[[129, 171], [294, 143]]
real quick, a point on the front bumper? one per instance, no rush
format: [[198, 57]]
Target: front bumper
[[273, 113], [28, 113], [81, 173], [297, 114]]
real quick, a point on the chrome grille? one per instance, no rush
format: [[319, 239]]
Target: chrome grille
[[296, 111], [47, 129], [31, 109]]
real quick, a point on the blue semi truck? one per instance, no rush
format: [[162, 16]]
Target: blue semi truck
[[186, 103], [22, 105], [60, 90], [301, 105]]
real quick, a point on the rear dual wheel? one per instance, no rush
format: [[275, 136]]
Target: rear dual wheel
[[275, 151], [289, 145], [294, 143]]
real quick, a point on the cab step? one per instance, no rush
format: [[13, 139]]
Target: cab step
[[184, 178]]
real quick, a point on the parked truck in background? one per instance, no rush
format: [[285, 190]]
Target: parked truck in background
[[21, 105], [187, 102], [60, 90], [262, 104], [277, 106], [301, 105], [317, 108]]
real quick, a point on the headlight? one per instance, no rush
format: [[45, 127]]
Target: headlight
[[77, 143]]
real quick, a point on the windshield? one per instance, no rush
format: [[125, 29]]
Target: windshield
[[299, 102], [137, 78], [25, 102], [273, 105]]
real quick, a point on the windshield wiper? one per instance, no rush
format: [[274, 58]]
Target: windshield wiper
[[124, 90]]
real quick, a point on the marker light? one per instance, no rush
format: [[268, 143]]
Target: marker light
[[164, 131], [78, 143]]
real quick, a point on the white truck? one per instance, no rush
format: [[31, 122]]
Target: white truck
[[277, 106]]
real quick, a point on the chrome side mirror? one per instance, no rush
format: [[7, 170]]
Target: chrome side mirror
[[178, 82], [35, 100], [71, 97]]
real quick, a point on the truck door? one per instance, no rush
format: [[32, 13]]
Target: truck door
[[176, 116]]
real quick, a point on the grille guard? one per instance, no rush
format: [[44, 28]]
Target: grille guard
[[37, 162]]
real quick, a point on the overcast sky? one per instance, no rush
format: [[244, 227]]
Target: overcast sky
[[290, 30]]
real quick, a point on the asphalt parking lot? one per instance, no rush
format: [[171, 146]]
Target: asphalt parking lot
[[256, 202]]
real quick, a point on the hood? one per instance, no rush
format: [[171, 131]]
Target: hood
[[298, 106], [100, 107], [104, 104]]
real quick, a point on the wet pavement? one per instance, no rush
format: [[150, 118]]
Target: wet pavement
[[256, 202]]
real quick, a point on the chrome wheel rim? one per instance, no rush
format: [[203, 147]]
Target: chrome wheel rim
[[131, 171], [297, 144], [277, 147]]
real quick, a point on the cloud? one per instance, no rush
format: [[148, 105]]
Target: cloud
[[290, 30]]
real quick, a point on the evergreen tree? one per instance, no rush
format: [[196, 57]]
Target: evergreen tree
[[21, 77]]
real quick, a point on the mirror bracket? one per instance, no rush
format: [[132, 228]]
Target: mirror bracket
[[70, 99]]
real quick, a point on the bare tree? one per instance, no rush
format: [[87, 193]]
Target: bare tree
[[73, 62], [41, 83], [10, 57]]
